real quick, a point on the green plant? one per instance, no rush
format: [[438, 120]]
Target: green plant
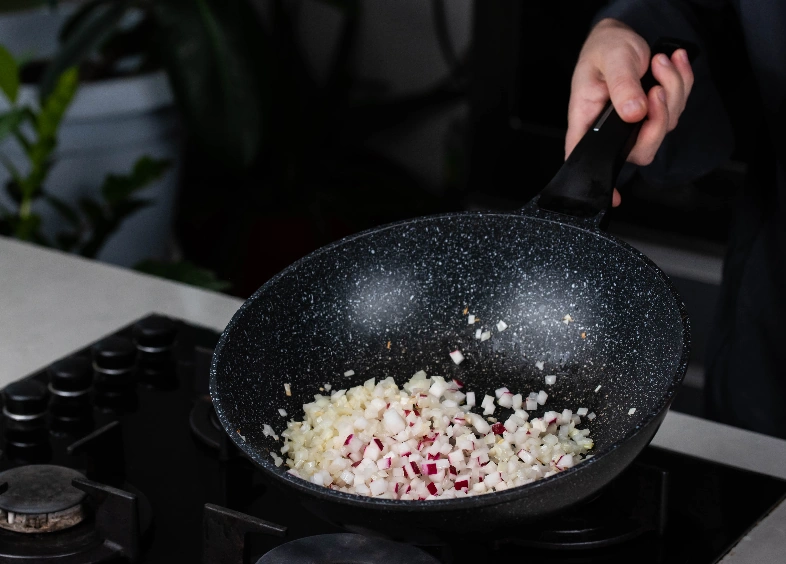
[[92, 220], [35, 129]]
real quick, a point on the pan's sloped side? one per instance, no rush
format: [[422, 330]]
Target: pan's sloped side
[[390, 302]]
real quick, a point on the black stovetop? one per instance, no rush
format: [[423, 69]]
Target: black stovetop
[[152, 454]]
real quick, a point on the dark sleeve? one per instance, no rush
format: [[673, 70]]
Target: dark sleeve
[[703, 139]]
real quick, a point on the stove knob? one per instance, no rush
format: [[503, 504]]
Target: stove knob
[[156, 334], [70, 377], [25, 400], [114, 360]]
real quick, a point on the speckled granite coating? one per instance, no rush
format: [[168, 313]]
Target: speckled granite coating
[[408, 284]]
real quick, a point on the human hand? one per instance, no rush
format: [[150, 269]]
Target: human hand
[[611, 64]]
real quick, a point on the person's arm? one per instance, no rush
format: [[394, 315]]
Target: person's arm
[[616, 55]]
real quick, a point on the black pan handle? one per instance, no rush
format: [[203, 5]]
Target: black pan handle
[[583, 186]]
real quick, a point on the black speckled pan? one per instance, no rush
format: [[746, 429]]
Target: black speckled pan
[[390, 302]]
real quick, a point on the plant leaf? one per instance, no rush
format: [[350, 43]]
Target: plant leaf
[[9, 122], [213, 51], [90, 32], [92, 210], [79, 18], [116, 188], [67, 211], [9, 75], [106, 222], [185, 272], [56, 103]]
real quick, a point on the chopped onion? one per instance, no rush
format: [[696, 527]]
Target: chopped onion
[[478, 333], [631, 411], [282, 412], [327, 387], [598, 388], [539, 365], [470, 319], [485, 336], [423, 442], [287, 390], [349, 373], [582, 411], [591, 415], [551, 380], [501, 326], [567, 319], [457, 356], [542, 397]]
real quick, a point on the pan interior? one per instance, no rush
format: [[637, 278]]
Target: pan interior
[[390, 302]]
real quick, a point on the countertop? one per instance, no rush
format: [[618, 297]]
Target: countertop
[[52, 303]]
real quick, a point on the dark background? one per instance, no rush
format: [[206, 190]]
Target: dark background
[[515, 82]]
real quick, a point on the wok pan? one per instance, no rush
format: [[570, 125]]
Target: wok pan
[[390, 302]]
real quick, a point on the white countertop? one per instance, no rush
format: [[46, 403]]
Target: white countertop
[[52, 303]]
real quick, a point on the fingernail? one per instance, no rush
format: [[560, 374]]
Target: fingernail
[[662, 95], [663, 60], [632, 106], [683, 55]]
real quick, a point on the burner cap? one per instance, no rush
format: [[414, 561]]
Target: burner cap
[[155, 334], [40, 498], [346, 547], [114, 353], [73, 374], [25, 398]]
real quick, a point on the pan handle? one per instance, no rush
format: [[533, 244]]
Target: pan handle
[[581, 190]]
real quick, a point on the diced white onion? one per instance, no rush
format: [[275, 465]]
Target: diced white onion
[[631, 411], [287, 390], [539, 365], [423, 442], [349, 373], [470, 319], [282, 412], [456, 356], [501, 326], [478, 333], [485, 336], [598, 388], [551, 379]]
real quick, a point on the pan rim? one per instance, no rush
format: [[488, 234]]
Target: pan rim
[[486, 499]]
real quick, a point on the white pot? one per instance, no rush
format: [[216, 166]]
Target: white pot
[[110, 124]]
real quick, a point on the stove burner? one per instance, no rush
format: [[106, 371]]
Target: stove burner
[[345, 547], [40, 499]]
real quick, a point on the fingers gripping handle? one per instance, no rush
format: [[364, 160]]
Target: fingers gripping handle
[[584, 184]]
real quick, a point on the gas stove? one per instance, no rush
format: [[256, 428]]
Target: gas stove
[[114, 454]]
